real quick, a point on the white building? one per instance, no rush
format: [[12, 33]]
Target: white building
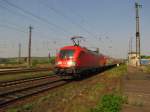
[[133, 59]]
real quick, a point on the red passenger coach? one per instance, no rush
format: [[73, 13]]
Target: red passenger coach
[[75, 60]]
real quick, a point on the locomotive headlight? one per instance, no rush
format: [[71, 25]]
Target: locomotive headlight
[[58, 63], [71, 63]]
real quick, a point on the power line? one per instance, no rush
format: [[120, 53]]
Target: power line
[[11, 11], [35, 16], [79, 16], [66, 17], [12, 28], [19, 14]]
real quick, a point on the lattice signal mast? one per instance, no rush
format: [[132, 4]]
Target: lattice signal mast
[[138, 46]]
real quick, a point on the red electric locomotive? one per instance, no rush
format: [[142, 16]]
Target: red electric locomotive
[[75, 60]]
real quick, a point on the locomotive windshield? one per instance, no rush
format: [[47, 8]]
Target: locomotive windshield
[[66, 54]]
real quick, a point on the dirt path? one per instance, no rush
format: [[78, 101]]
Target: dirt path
[[137, 89]]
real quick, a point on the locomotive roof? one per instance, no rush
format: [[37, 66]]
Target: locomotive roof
[[78, 47], [74, 47], [70, 47]]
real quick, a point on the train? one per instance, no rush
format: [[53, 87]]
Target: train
[[75, 61]]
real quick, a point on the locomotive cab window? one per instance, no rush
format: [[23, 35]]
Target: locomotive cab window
[[64, 54]]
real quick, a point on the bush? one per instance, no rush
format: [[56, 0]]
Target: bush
[[109, 103], [52, 60]]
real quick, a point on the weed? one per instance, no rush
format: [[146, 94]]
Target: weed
[[76, 98], [27, 107], [13, 110], [137, 103], [146, 69], [117, 72], [125, 99], [109, 103]]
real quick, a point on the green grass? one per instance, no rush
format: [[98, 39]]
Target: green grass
[[13, 62], [112, 102], [70, 95], [27, 107], [109, 103], [13, 110], [117, 71], [11, 77], [81, 96], [146, 69]]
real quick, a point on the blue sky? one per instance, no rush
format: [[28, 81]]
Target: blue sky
[[107, 24]]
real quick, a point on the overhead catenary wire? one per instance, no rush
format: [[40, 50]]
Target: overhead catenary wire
[[68, 18], [14, 12], [36, 16], [6, 8], [83, 20], [12, 28], [46, 21], [17, 14], [22, 15], [58, 12]]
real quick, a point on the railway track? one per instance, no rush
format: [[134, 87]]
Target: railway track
[[16, 90], [19, 81], [14, 71], [11, 92]]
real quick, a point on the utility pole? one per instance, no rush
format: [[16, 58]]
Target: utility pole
[[19, 53], [130, 45], [138, 46], [29, 46]]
